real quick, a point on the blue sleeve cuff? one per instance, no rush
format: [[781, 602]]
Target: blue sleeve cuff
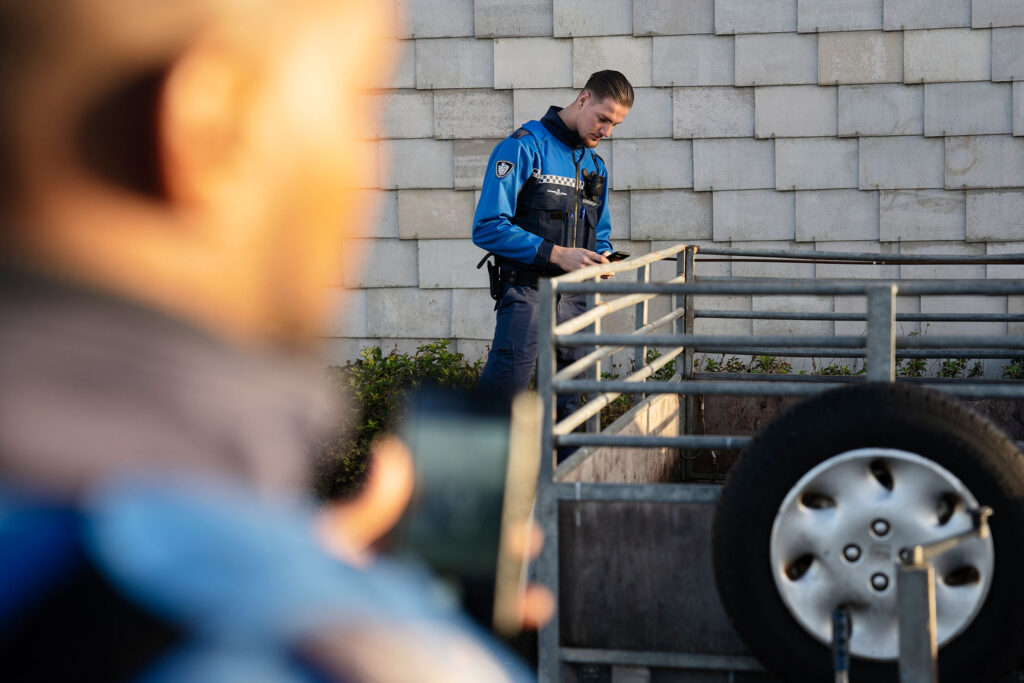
[[543, 257]]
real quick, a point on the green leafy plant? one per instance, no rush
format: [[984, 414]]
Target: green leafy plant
[[911, 367], [835, 368], [769, 365], [1014, 369], [375, 386], [952, 368]]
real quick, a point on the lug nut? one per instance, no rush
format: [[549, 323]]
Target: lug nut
[[880, 527], [851, 553], [879, 582]]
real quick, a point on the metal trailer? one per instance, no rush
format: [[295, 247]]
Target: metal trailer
[[629, 561]]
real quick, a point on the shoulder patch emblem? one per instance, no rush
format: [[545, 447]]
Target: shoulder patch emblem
[[503, 168]]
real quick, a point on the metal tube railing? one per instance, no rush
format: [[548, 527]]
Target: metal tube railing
[[881, 348]]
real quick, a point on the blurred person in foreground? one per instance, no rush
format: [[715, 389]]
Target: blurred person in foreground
[[175, 183]]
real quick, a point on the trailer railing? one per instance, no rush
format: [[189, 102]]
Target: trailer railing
[[674, 332]]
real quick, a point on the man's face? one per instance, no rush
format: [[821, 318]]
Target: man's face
[[597, 118]]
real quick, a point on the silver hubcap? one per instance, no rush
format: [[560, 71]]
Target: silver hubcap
[[837, 538]]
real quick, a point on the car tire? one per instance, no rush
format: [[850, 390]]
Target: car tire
[[876, 456]]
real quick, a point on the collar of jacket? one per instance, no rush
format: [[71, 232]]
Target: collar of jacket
[[556, 126]]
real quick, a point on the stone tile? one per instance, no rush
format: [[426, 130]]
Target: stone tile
[[963, 304], [401, 75], [774, 269], [995, 216], [723, 326], [1018, 108], [1010, 271], [921, 215], [694, 60], [838, 15], [755, 16], [795, 111], [472, 314], [988, 13], [450, 263], [733, 164], [532, 63], [513, 18], [454, 63], [348, 313], [666, 270], [472, 114], [753, 215], [652, 164], [532, 104], [631, 56], [650, 117], [408, 312], [593, 17], [856, 270], [435, 214], [776, 59], [677, 215], [435, 19], [1008, 54], [860, 57], [905, 15], [953, 54], [471, 158], [379, 263], [372, 165], [381, 219], [619, 204], [881, 110], [900, 162], [794, 304], [713, 112], [401, 114], [414, 164], [815, 164], [978, 108], [675, 17], [341, 351], [835, 215], [473, 349], [933, 272], [984, 161]]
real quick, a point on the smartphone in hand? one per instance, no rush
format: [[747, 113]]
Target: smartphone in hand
[[618, 256], [476, 467]]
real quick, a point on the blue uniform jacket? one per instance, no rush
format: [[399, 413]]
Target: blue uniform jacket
[[533, 197]]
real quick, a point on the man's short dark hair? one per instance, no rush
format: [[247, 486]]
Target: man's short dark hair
[[611, 84]]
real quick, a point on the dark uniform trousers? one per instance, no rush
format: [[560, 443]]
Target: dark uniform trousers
[[513, 352]]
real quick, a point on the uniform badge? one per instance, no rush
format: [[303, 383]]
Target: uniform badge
[[503, 168]]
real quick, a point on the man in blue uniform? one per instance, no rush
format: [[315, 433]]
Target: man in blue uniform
[[543, 211]]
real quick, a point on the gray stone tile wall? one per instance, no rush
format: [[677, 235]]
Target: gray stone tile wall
[[894, 126]]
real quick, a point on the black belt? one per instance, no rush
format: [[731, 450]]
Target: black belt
[[520, 277]]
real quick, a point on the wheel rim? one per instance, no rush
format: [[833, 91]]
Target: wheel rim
[[837, 536]]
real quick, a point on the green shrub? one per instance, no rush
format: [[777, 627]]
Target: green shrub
[[1014, 369], [374, 388]]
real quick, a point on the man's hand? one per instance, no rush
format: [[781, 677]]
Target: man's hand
[[574, 258]]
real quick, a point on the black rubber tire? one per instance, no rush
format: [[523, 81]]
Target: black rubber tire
[[872, 415]]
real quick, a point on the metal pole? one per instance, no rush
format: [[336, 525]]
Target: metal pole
[[915, 594], [548, 664], [643, 275], [594, 424], [881, 351], [841, 645], [689, 322]]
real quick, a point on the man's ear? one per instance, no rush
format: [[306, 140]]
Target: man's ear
[[583, 98], [201, 125]]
